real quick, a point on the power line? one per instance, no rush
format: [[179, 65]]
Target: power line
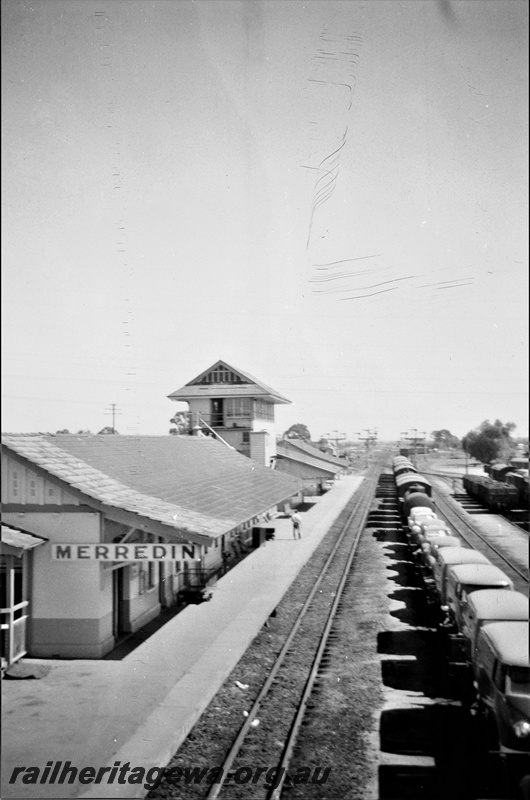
[[84, 380], [114, 412], [339, 437], [370, 439], [415, 439], [72, 402]]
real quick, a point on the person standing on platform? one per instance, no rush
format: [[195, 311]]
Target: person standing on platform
[[297, 525]]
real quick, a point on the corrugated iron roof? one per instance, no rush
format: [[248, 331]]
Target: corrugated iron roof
[[302, 458], [191, 484], [309, 450]]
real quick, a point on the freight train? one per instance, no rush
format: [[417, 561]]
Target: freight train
[[514, 477], [491, 493], [479, 603]]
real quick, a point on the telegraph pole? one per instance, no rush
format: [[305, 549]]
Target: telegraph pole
[[370, 437], [415, 442], [339, 437], [114, 412], [364, 439], [415, 439]]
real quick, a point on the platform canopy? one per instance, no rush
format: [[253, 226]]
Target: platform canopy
[[16, 542]]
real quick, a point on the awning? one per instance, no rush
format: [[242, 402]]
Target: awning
[[15, 542]]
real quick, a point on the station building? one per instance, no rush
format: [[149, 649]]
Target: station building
[[313, 467], [101, 532]]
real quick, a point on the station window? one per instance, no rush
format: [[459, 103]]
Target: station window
[[263, 410], [237, 407]]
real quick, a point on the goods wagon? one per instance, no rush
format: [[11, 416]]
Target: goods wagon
[[493, 494]]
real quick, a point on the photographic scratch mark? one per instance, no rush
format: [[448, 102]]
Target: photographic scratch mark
[[345, 260], [363, 296], [334, 64], [457, 286]]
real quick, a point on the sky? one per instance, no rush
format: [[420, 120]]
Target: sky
[[332, 196]]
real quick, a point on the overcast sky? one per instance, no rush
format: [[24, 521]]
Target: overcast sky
[[331, 196]]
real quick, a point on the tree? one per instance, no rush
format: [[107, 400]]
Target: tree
[[444, 439], [64, 431], [181, 423], [108, 430], [298, 431], [490, 442]]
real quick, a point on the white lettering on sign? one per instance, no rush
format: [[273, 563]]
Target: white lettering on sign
[[124, 552]]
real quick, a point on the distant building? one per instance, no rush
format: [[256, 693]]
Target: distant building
[[100, 532], [308, 463], [235, 406]]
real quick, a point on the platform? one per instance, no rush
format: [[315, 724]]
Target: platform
[[140, 709]]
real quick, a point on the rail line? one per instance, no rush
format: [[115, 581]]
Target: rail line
[[357, 517], [449, 478], [451, 513], [453, 738]]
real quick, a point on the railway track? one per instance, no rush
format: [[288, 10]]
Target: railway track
[[422, 741], [207, 763], [474, 538], [301, 660], [517, 518]]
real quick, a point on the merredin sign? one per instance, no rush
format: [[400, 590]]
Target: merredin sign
[[123, 552]]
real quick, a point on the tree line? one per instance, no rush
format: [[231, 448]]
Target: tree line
[[490, 442]]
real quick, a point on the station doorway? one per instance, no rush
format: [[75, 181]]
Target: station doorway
[[118, 603], [13, 608]]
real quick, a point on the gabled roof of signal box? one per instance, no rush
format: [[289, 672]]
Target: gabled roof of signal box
[[194, 486], [246, 386]]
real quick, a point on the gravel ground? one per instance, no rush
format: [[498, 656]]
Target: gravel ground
[[340, 733]]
